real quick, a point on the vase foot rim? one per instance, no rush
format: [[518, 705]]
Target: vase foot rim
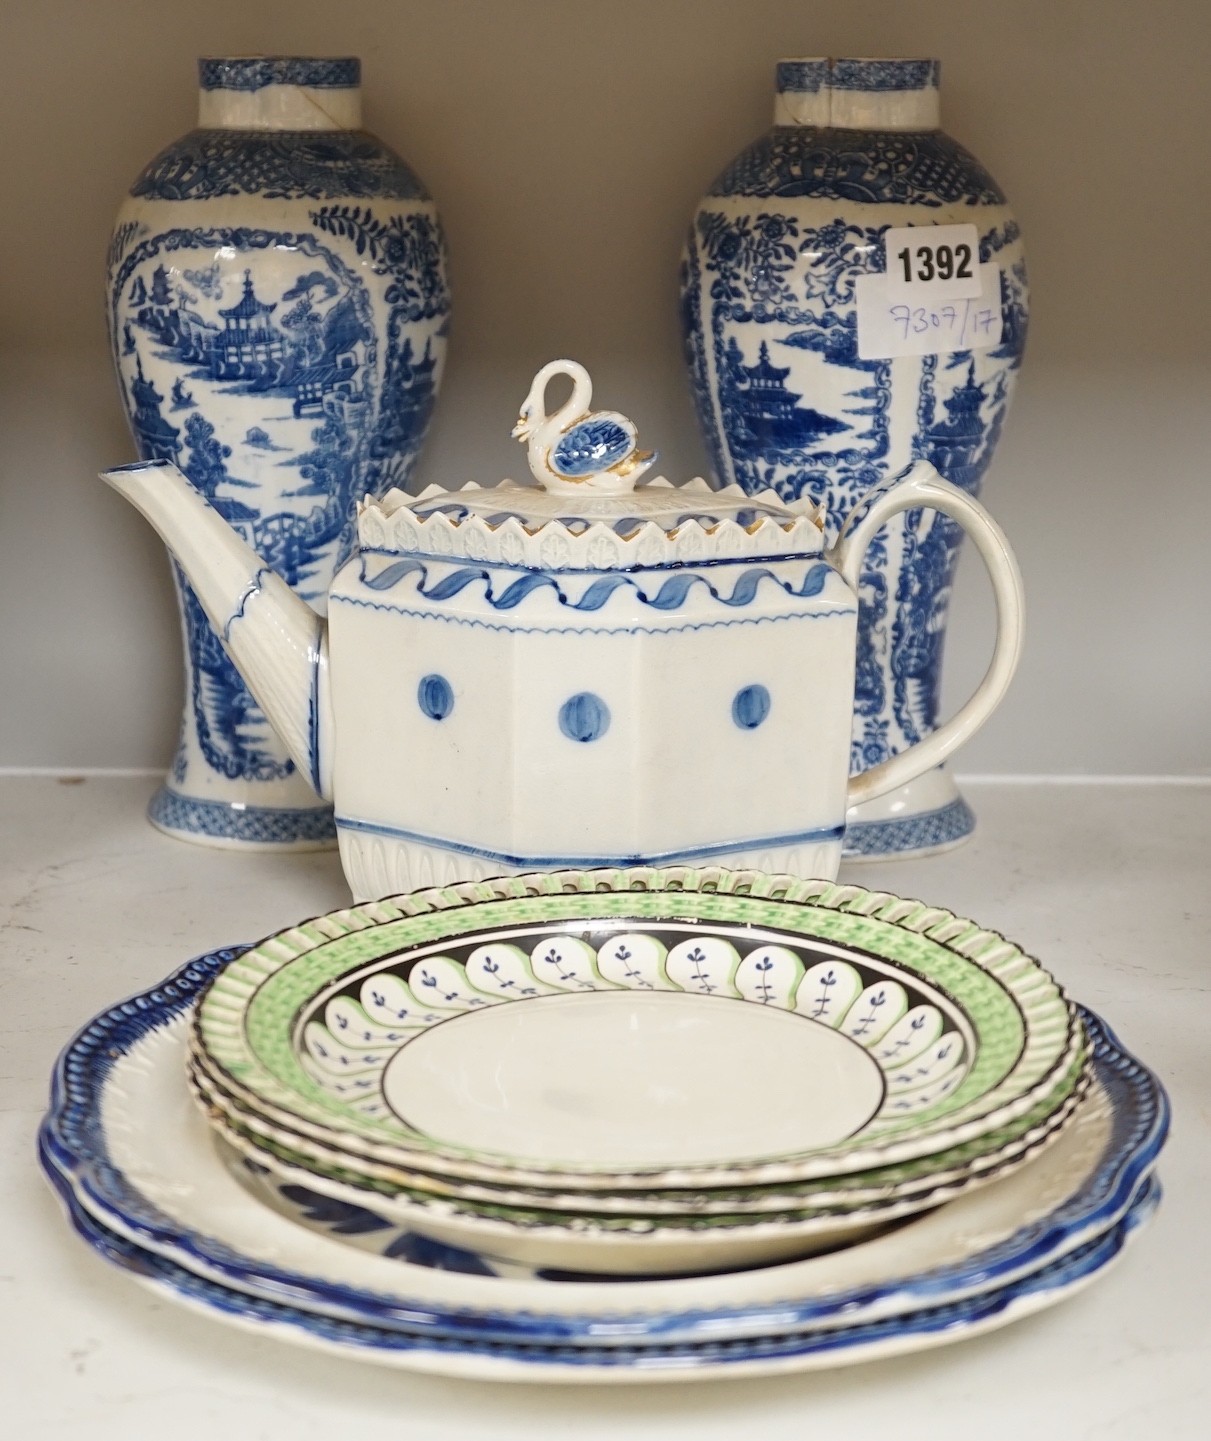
[[911, 836], [229, 826]]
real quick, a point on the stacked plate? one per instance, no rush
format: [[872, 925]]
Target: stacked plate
[[639, 1071], [453, 1127]]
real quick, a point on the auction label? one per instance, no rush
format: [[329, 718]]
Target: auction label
[[932, 262], [889, 325]]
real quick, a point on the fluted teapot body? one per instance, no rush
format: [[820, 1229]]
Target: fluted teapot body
[[583, 673]]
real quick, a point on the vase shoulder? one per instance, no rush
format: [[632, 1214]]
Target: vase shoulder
[[922, 167], [278, 165]]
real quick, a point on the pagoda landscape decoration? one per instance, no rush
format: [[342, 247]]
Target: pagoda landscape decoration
[[786, 253], [278, 309]]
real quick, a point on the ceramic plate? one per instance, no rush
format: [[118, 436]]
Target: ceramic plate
[[468, 1358], [987, 1155], [123, 1136], [696, 1028], [619, 1243]]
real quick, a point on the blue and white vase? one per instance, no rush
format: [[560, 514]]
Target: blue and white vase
[[278, 310], [770, 282]]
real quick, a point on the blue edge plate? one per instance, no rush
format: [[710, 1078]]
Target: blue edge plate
[[73, 1153]]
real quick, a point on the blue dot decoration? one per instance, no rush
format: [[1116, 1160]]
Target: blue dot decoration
[[584, 717], [435, 696], [750, 707]]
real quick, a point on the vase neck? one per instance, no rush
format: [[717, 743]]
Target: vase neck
[[858, 94], [279, 93]]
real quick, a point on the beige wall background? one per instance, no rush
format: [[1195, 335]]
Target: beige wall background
[[567, 144]]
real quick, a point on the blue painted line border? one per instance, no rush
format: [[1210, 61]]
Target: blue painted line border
[[819, 836]]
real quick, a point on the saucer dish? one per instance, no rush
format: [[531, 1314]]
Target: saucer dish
[[789, 1030], [988, 1154], [134, 1161], [616, 1243]]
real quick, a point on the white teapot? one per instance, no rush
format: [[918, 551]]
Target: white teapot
[[583, 673]]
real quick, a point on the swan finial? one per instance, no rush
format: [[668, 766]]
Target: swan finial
[[573, 449]]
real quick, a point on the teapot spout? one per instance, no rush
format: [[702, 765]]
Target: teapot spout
[[275, 640]]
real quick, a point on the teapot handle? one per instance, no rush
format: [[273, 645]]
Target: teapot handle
[[923, 486]]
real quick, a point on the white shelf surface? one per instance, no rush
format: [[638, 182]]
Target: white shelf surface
[[1106, 883]]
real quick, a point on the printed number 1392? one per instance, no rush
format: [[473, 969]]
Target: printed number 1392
[[944, 262]]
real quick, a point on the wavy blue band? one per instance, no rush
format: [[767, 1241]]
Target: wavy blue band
[[255, 72], [433, 557], [669, 596], [509, 627], [648, 858]]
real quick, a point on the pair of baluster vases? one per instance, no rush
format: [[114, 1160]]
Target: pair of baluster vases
[[278, 308]]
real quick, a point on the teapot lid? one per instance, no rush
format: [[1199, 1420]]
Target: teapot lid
[[587, 513]]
